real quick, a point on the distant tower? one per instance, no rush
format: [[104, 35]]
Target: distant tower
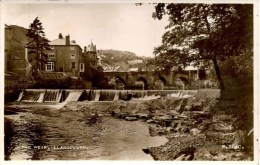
[[91, 55]]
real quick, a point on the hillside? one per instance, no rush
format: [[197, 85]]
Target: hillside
[[111, 56], [124, 59]]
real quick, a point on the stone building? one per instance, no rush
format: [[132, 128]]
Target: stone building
[[93, 72], [90, 55], [65, 56]]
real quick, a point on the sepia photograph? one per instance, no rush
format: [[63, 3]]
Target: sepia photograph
[[156, 81]]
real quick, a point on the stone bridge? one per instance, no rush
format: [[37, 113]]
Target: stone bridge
[[149, 79]]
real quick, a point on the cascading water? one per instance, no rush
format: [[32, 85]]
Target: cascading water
[[52, 95], [41, 97], [107, 95], [20, 96], [116, 96], [32, 95], [74, 95], [139, 94], [90, 95], [56, 95], [97, 95]]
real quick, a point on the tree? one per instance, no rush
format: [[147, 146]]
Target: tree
[[211, 32], [38, 44]]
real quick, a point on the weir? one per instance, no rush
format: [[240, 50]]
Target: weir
[[33, 95], [68, 95], [116, 96], [74, 95], [97, 95], [20, 96], [52, 95]]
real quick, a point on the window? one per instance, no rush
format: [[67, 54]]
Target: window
[[49, 66], [92, 55], [51, 55], [72, 56], [82, 68], [39, 66], [72, 48], [73, 65]]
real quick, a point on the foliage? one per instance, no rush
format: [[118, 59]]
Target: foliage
[[197, 32], [38, 43], [53, 84], [238, 69]]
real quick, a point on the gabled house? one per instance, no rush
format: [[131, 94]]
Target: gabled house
[[65, 56]]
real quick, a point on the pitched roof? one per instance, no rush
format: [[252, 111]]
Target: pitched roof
[[92, 47], [60, 42], [52, 75], [111, 68]]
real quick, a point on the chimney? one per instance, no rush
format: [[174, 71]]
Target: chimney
[[85, 49], [60, 36], [68, 39]]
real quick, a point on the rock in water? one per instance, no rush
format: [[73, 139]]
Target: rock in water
[[127, 97], [195, 131], [131, 118], [223, 126]]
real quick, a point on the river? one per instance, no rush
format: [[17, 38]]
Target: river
[[37, 131]]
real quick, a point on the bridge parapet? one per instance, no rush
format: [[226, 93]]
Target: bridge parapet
[[150, 78]]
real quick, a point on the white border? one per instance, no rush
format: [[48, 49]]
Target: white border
[[256, 83]]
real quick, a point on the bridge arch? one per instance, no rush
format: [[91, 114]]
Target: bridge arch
[[184, 81], [117, 82], [142, 79], [163, 80]]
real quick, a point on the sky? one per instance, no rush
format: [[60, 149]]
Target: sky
[[119, 26]]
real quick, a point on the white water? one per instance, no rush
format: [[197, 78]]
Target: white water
[[74, 96], [20, 96], [41, 97], [97, 96], [116, 96], [52, 95]]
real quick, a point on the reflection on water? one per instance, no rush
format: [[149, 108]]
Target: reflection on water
[[9, 135], [42, 133]]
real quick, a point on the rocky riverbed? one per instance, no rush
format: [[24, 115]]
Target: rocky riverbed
[[194, 128]]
